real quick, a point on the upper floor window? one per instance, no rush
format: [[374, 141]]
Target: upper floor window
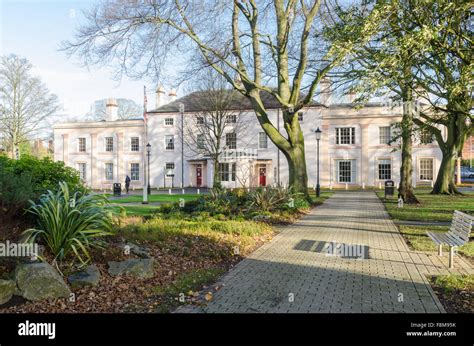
[[426, 137], [109, 143], [300, 117], [200, 141], [345, 135], [169, 121], [82, 145], [200, 120], [134, 144], [169, 142], [231, 119], [385, 135], [262, 140], [231, 140]]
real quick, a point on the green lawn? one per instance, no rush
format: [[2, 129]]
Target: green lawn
[[419, 241], [431, 208], [154, 198], [137, 210]]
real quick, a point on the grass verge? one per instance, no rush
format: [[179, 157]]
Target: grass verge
[[432, 208], [456, 292]]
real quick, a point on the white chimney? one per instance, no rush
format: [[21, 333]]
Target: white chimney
[[172, 95], [111, 110], [325, 85], [160, 96]]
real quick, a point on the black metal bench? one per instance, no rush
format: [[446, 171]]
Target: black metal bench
[[458, 234]]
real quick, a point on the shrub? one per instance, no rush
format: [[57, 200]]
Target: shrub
[[15, 191], [68, 222], [270, 198], [28, 178]]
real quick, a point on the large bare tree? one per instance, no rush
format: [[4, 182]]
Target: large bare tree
[[217, 113], [266, 43], [25, 103]]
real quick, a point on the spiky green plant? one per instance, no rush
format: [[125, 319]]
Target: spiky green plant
[[70, 223]]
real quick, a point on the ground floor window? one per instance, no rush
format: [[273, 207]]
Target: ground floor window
[[345, 171], [426, 169], [81, 167], [227, 171], [385, 169], [135, 171], [169, 169], [109, 171]]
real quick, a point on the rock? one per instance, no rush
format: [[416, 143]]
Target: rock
[[140, 251], [37, 281], [7, 289], [142, 268], [88, 277]]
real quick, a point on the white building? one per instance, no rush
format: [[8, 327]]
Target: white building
[[353, 148]]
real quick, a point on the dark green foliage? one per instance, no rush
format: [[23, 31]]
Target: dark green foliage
[[28, 178]]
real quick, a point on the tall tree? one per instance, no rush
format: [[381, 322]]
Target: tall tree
[[263, 42], [381, 66], [446, 76], [25, 102], [217, 114]]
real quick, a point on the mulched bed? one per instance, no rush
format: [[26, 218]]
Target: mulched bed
[[129, 294], [455, 301]]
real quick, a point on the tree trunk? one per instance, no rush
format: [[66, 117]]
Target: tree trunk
[[405, 190], [216, 183], [457, 132], [298, 177], [445, 180]]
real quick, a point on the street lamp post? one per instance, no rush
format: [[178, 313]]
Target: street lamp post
[[148, 152], [318, 137]]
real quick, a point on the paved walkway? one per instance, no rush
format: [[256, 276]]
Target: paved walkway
[[294, 273]]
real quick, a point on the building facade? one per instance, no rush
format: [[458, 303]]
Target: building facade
[[356, 148]]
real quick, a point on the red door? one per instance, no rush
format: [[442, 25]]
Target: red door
[[198, 176], [263, 176]]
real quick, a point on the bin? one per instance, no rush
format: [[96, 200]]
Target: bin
[[117, 189], [389, 188]]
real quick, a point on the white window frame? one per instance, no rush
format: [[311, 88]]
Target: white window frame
[[353, 171], [169, 166], [231, 119], [378, 163], [424, 135], [420, 159], [351, 135], [107, 144], [300, 117], [168, 122], [111, 164], [231, 143], [227, 171], [262, 139], [383, 136], [137, 144], [82, 171], [166, 143], [79, 144], [200, 141], [132, 164]]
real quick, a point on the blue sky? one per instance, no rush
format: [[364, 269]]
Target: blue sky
[[34, 29]]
